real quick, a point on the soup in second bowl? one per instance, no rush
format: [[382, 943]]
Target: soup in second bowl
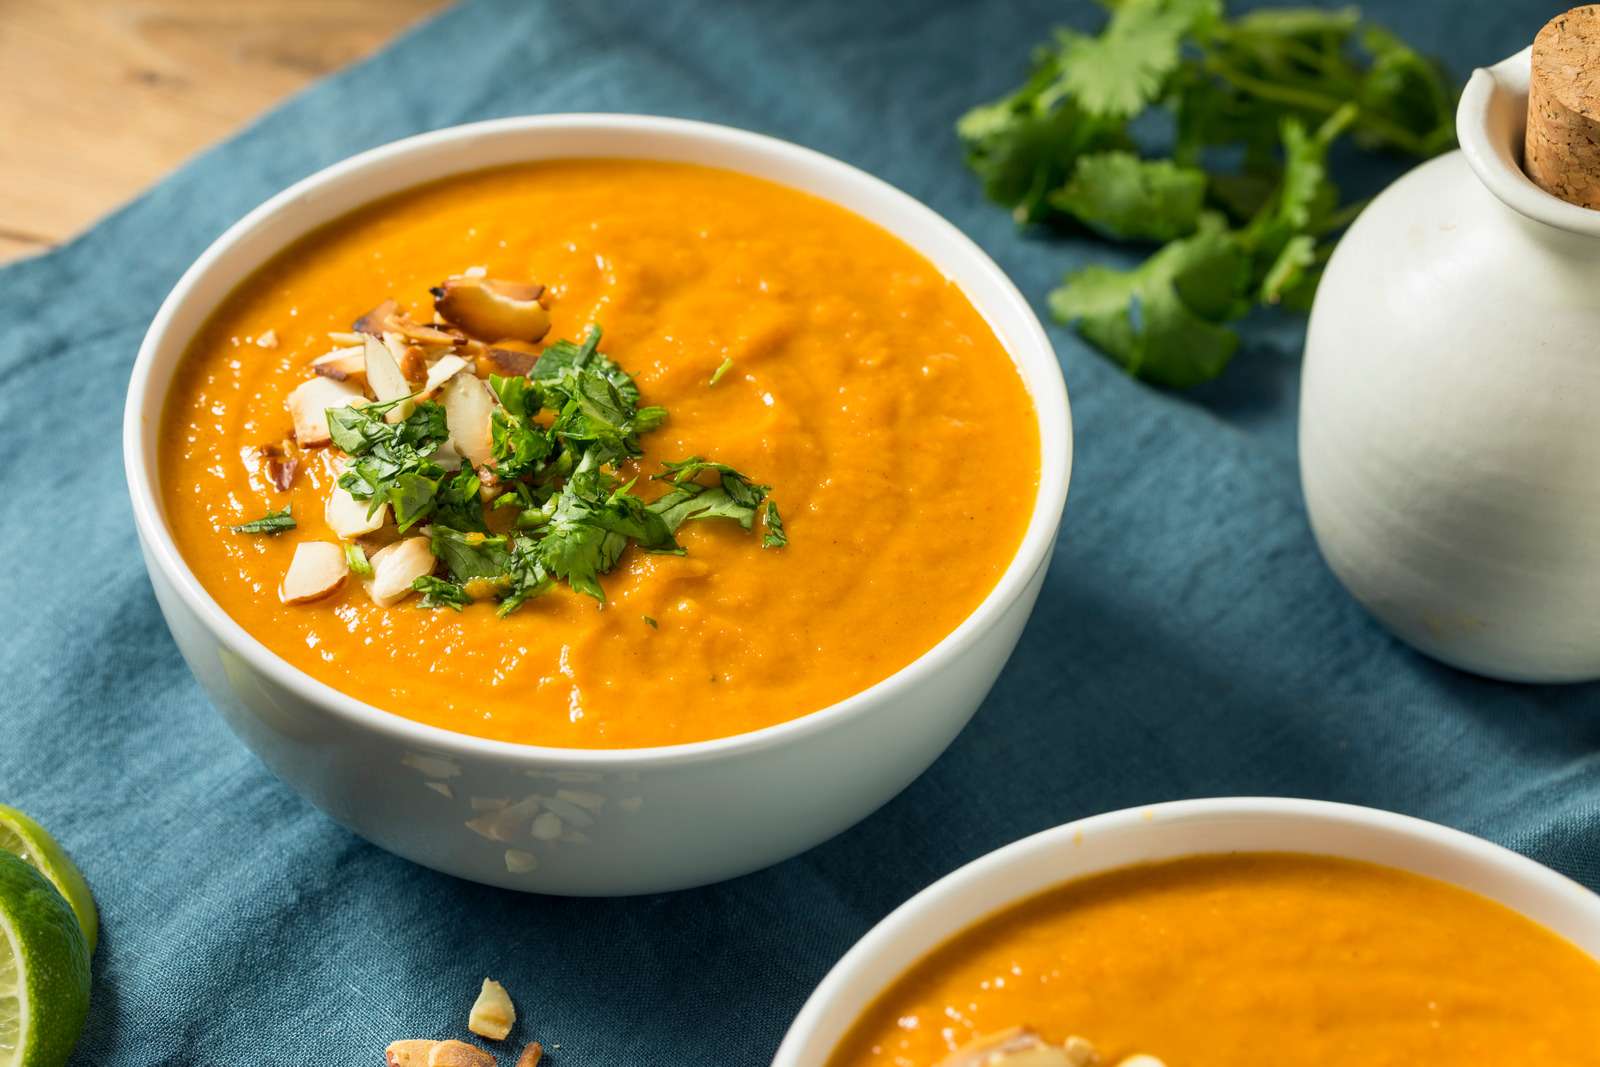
[[1253, 958]]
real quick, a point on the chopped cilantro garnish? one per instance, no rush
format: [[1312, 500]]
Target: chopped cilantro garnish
[[775, 537], [557, 437], [1244, 199], [356, 558], [648, 621], [439, 593], [273, 522], [723, 368]]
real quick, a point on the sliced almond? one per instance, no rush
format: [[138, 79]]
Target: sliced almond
[[281, 472], [385, 379], [412, 1053], [345, 338], [317, 569], [531, 1055], [443, 369], [372, 323], [510, 361], [1081, 1052], [349, 518], [492, 1014], [342, 363], [422, 333], [395, 567], [267, 339], [458, 1054], [468, 408], [493, 310], [309, 403], [1141, 1060], [1017, 1047]]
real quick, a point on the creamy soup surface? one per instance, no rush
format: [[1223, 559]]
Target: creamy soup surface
[[860, 384], [1265, 958]]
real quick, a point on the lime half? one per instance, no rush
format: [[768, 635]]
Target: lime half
[[26, 839], [44, 970]]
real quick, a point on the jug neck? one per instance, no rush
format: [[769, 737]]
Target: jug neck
[[1491, 121]]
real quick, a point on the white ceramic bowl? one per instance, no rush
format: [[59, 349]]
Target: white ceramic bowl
[[1167, 831], [625, 821]]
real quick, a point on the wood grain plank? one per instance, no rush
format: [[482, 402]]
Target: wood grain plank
[[102, 97]]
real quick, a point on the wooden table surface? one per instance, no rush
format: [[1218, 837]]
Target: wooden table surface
[[99, 98]]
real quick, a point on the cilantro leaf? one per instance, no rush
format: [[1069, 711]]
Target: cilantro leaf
[[733, 497], [439, 593], [469, 554], [1125, 68], [1163, 320], [1119, 195], [271, 524], [775, 537], [355, 558]]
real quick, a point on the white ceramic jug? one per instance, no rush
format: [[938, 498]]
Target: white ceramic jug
[[1450, 406]]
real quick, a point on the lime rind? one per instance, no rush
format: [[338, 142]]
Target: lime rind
[[44, 979], [32, 843]]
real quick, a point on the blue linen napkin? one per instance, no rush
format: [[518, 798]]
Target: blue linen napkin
[[1189, 641]]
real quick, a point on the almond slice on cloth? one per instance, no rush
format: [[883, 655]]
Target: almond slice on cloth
[[458, 1054], [349, 517], [493, 1013], [468, 408], [493, 310], [412, 1053], [308, 406], [531, 1055], [395, 567], [317, 569]]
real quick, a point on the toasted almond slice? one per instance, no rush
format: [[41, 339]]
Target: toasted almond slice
[[1141, 1060], [493, 1014], [373, 322], [1017, 1047], [458, 1054], [493, 310], [317, 569], [395, 567], [468, 407], [345, 338], [309, 403], [532, 1053], [281, 472], [444, 368], [510, 361], [1081, 1052], [349, 518], [342, 363], [412, 1053], [385, 379], [422, 333]]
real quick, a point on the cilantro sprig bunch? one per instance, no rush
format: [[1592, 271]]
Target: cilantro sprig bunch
[[559, 434], [1241, 200]]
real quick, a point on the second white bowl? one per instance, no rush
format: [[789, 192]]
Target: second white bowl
[[1167, 831]]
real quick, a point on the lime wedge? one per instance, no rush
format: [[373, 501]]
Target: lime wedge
[[44, 970], [26, 839]]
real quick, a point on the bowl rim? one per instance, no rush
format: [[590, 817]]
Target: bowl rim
[[996, 869], [147, 397]]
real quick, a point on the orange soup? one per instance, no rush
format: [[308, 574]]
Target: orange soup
[[1265, 958], [798, 344]]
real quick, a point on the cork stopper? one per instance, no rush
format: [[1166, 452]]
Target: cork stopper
[[1561, 152]]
